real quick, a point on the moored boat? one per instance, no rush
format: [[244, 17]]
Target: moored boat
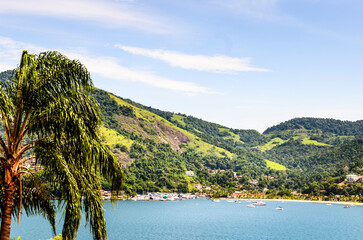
[[260, 203]]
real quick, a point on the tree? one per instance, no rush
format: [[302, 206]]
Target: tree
[[49, 115]]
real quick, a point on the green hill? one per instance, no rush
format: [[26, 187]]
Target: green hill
[[323, 126], [156, 152]]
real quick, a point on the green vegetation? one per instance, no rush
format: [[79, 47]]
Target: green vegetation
[[179, 120], [271, 144], [308, 141], [113, 138], [328, 126], [49, 117], [275, 166]]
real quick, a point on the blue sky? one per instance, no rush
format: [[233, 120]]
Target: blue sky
[[246, 64]]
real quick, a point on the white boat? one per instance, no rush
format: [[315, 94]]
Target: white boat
[[328, 204], [251, 206], [215, 200], [279, 208], [230, 200], [260, 203], [346, 206]]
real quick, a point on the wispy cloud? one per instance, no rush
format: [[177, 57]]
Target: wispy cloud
[[114, 14], [217, 63], [10, 51], [260, 9], [109, 68]]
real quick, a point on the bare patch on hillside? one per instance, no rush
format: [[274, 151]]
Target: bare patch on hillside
[[124, 158], [154, 129]]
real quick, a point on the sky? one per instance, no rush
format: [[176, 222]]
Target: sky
[[245, 64]]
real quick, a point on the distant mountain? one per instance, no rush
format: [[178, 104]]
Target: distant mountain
[[6, 75], [323, 125]]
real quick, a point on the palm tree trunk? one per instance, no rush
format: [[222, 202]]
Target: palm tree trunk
[[6, 212]]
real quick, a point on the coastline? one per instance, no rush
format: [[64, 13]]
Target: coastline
[[310, 201]]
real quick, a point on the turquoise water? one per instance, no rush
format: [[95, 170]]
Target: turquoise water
[[203, 219]]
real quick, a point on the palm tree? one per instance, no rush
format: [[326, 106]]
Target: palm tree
[[49, 116]]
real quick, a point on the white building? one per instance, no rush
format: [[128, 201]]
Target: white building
[[352, 178], [189, 173]]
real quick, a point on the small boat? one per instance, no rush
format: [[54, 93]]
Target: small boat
[[260, 203], [251, 206], [279, 208], [215, 200], [230, 200], [238, 201], [346, 206], [328, 204]]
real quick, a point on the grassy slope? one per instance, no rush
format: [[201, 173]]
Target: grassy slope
[[231, 135], [303, 137], [271, 144], [308, 141], [275, 166], [112, 138]]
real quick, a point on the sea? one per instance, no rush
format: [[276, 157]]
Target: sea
[[205, 219]]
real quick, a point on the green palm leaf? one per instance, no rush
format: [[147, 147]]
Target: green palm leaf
[[48, 112]]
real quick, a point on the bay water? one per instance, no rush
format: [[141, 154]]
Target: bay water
[[204, 219]]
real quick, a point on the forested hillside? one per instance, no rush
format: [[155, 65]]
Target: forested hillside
[[156, 153], [308, 150]]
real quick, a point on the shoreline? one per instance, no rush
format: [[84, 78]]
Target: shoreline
[[253, 199], [309, 201]]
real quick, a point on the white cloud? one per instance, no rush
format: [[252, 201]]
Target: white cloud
[[261, 9], [115, 14], [10, 52], [217, 63], [109, 68]]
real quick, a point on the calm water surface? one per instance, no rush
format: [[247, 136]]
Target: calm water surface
[[203, 219]]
